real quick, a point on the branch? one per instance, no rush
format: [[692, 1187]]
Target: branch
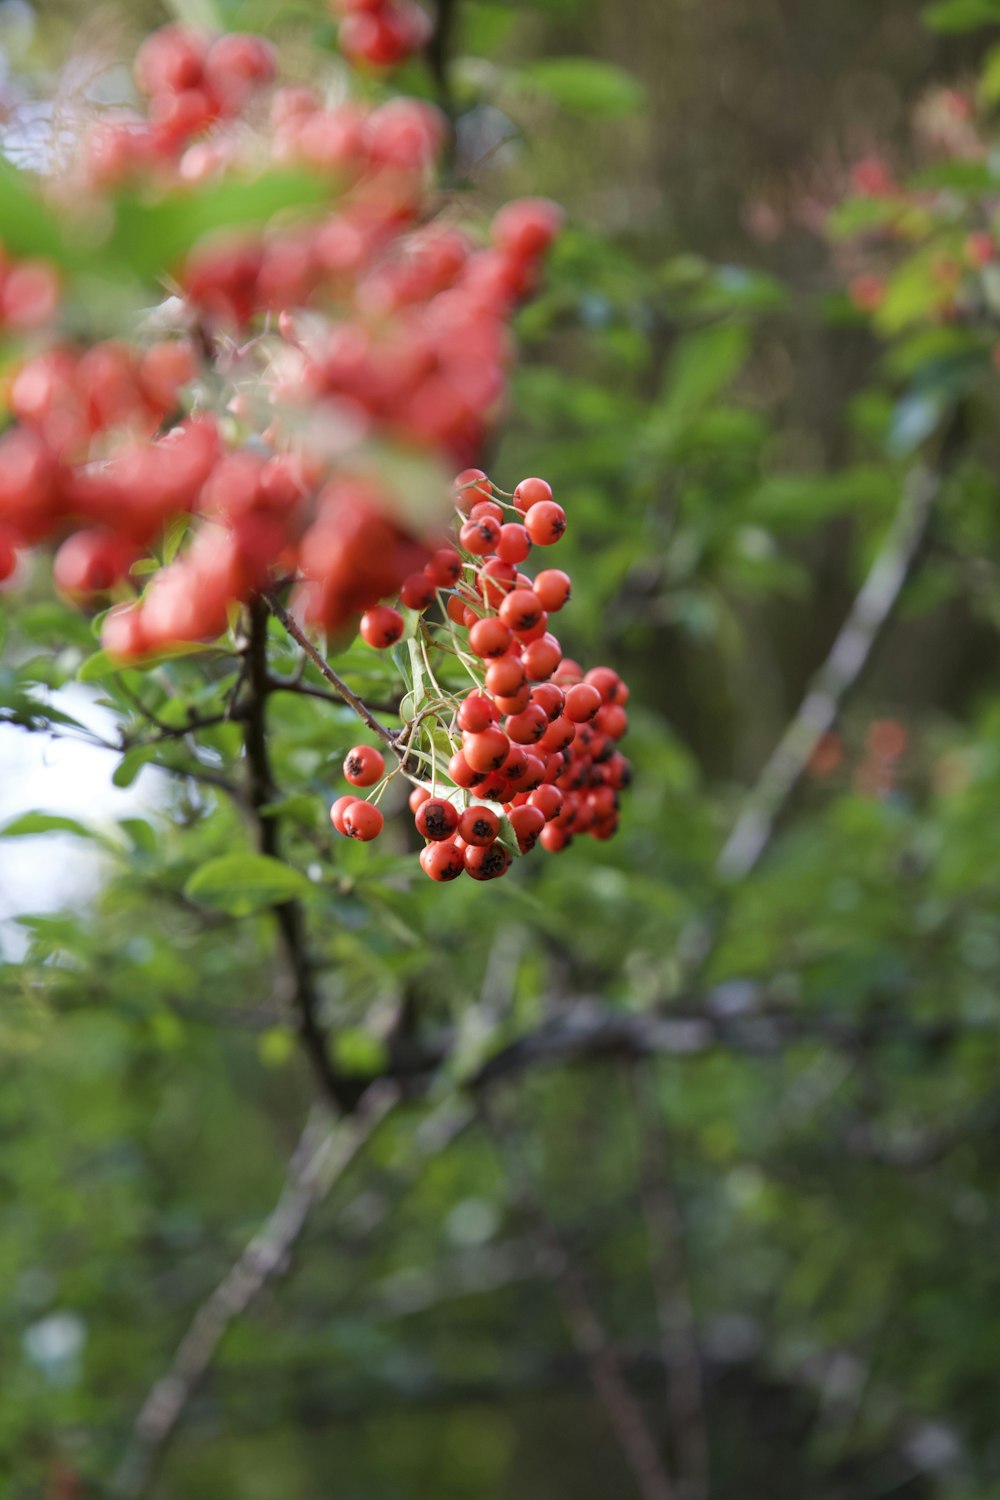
[[319, 1161], [848, 657], [288, 914], [437, 51], [387, 736]]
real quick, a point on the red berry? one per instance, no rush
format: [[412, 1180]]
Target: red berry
[[516, 703], [462, 773], [548, 800], [470, 487], [444, 568], [490, 638], [487, 863], [541, 658], [487, 510], [550, 696], [442, 861], [418, 796], [8, 553], [382, 627], [362, 821], [486, 751], [553, 588], [582, 702], [436, 819], [496, 579], [528, 726], [364, 765], [553, 838], [338, 810], [527, 823], [504, 676], [545, 523], [531, 492], [521, 610], [480, 536], [479, 826], [526, 227], [417, 591], [612, 720], [476, 713], [558, 735], [608, 684], [514, 544]]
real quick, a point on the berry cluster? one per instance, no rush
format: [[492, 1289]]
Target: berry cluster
[[381, 33], [305, 353], [533, 745]]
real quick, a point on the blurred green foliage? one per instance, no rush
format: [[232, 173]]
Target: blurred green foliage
[[829, 1092]]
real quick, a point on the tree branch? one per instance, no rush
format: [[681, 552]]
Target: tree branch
[[321, 1158], [288, 914], [848, 657], [364, 713]]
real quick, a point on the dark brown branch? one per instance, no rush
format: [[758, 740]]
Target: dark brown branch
[[364, 713], [288, 914], [321, 1158]]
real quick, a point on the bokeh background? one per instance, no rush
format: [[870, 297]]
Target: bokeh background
[[785, 1215]]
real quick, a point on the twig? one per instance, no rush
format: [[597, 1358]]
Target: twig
[[288, 914], [321, 1158], [847, 659], [388, 736], [675, 1313], [587, 1332]]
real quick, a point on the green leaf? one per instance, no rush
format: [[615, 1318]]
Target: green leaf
[[587, 86], [962, 15], [245, 883], [28, 825], [131, 764], [358, 1053]]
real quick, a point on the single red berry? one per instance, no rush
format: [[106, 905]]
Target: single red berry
[[558, 735], [582, 702], [516, 764], [496, 578], [545, 523], [487, 510], [479, 826], [608, 684], [442, 861], [550, 696], [338, 810], [531, 492], [487, 863], [541, 658], [504, 676], [553, 588], [419, 795], [548, 800], [444, 568], [515, 703], [382, 627], [532, 775], [457, 608], [612, 720], [514, 544], [476, 713], [480, 536], [527, 823], [568, 672], [486, 751], [363, 821], [436, 819], [528, 726], [553, 838], [462, 773], [470, 487], [490, 638], [521, 610], [364, 765], [417, 591]]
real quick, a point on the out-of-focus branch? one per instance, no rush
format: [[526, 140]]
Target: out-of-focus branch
[[288, 914], [675, 1311], [848, 657], [586, 1329], [438, 51], [321, 1158]]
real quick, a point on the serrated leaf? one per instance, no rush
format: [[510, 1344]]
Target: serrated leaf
[[244, 883]]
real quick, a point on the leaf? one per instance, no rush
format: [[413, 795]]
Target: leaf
[[587, 86], [245, 883], [131, 764], [100, 665], [962, 15], [703, 363], [28, 825], [358, 1053]]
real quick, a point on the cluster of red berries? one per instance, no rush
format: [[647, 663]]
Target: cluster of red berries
[[381, 33], [303, 352], [534, 744]]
